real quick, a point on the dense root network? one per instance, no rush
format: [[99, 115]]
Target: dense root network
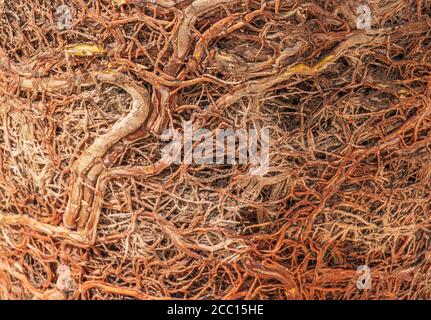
[[89, 209]]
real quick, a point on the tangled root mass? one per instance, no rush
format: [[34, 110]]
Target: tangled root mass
[[90, 210]]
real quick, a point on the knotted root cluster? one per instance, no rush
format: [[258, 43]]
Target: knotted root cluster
[[89, 208]]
